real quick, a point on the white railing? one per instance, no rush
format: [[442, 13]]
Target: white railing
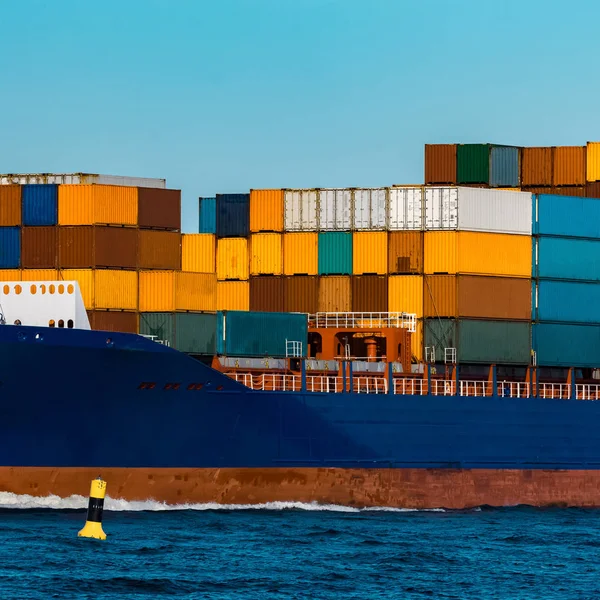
[[410, 387], [586, 391], [324, 383], [475, 388], [369, 385], [357, 320], [554, 390], [513, 389], [269, 382], [443, 387]]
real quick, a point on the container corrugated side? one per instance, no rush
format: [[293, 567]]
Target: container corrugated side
[[566, 345], [196, 333], [266, 254], [156, 291], [370, 252], [161, 325], [440, 163], [207, 215], [566, 258], [266, 294], [10, 247], [113, 320], [301, 294], [259, 334], [335, 294], [232, 258], [10, 275], [473, 163], [233, 215], [405, 294], [159, 209], [159, 249], [42, 275], [85, 279], [335, 209], [335, 253], [198, 252], [593, 161], [266, 210], [195, 292], [10, 205], [300, 253], [301, 210], [405, 252], [536, 166], [569, 165], [39, 247], [40, 204], [568, 301], [97, 204], [370, 209], [116, 289], [505, 168], [476, 253], [406, 208], [570, 217], [233, 295], [369, 293]]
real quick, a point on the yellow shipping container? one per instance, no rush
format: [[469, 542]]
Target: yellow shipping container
[[266, 210], [105, 289], [85, 278], [233, 295], [477, 253], [198, 252], [370, 252], [168, 291], [593, 161], [39, 275], [300, 253], [232, 258], [10, 275], [97, 204], [266, 257], [405, 294]]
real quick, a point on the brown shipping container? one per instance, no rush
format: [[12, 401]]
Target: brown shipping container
[[90, 246], [159, 208], [536, 166], [369, 293], [10, 205], [575, 190], [266, 294], [39, 247], [159, 250], [592, 189], [569, 165], [405, 252], [538, 190], [112, 320], [440, 163], [335, 294], [301, 294], [477, 297]]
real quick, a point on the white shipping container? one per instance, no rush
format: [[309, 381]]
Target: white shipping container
[[406, 208], [370, 208], [335, 210], [478, 209], [81, 178], [301, 210]]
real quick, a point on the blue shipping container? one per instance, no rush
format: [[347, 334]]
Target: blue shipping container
[[566, 345], [259, 334], [207, 215], [40, 204], [568, 216], [10, 247], [567, 301], [566, 258], [335, 253], [504, 166], [233, 215]]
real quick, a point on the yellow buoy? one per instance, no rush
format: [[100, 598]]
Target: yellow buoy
[[93, 523]]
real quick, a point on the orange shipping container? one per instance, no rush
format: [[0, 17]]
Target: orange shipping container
[[266, 210], [370, 252], [405, 294], [10, 274], [232, 259], [569, 165], [10, 205], [266, 254], [105, 289], [97, 204], [168, 291], [536, 166], [477, 297], [40, 275], [335, 294], [300, 253], [198, 252], [405, 252], [233, 295], [440, 163], [159, 249]]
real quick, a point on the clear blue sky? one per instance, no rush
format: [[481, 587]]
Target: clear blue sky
[[227, 95]]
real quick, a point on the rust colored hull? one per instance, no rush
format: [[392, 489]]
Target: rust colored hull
[[401, 488]]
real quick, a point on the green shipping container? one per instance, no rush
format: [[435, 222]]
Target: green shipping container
[[480, 342], [259, 334], [473, 163], [194, 333], [335, 253]]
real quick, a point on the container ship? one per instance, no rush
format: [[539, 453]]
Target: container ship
[[414, 346]]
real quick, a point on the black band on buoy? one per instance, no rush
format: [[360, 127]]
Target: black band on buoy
[[95, 508]]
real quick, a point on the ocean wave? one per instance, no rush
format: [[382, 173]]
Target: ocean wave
[[8, 500]]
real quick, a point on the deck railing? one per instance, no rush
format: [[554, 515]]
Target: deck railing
[[369, 320]]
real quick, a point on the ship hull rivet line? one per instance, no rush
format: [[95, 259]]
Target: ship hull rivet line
[[93, 523]]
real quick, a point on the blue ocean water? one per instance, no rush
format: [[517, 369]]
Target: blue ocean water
[[298, 551]]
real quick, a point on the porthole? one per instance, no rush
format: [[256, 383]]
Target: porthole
[[70, 323], [51, 288], [61, 323], [70, 288], [43, 288], [18, 289], [61, 289], [51, 323], [33, 289], [6, 290]]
